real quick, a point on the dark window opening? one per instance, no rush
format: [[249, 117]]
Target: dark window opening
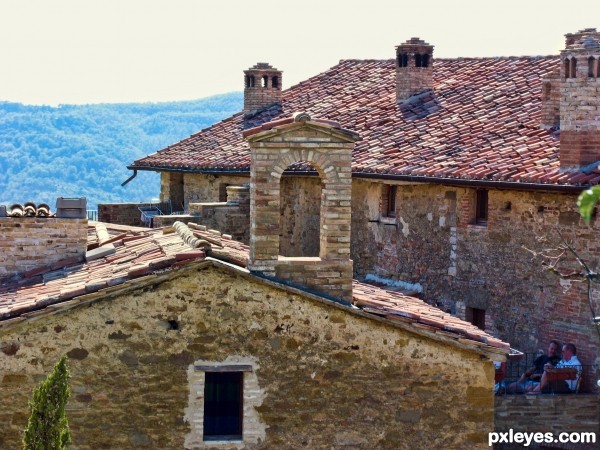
[[388, 200], [591, 67], [223, 192], [265, 81], [417, 60], [425, 60], [250, 81], [573, 68], [567, 68], [402, 60], [223, 406], [173, 325], [481, 207], [275, 82], [476, 316]]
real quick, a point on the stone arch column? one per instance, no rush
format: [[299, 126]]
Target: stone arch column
[[274, 147]]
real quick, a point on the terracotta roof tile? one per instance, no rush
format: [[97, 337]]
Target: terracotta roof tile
[[152, 250], [481, 122]]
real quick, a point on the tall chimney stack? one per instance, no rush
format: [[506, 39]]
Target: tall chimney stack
[[414, 68], [262, 87]]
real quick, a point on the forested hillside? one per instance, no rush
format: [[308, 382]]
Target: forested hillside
[[83, 150]]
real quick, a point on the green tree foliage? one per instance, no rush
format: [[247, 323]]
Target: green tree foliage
[[587, 202], [48, 428], [84, 150]]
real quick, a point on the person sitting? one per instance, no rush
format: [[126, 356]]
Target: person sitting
[[551, 384], [532, 376]]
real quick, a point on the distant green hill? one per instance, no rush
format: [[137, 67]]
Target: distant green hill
[[83, 150]]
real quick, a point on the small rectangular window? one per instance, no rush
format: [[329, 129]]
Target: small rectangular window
[[481, 207], [476, 316], [388, 200], [223, 406], [223, 192]]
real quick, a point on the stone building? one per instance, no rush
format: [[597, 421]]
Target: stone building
[[464, 165], [182, 337]]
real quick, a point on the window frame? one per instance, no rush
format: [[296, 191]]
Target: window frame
[[475, 316], [211, 379], [389, 205]]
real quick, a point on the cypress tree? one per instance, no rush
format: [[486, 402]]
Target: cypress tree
[[48, 428]]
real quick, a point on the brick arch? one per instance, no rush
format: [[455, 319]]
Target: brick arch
[[321, 162], [273, 148]]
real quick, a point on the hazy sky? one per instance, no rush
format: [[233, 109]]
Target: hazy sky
[[83, 51]]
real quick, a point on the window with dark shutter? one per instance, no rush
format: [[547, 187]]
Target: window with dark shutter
[[223, 406]]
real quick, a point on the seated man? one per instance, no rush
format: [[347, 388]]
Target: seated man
[[532, 376], [549, 384]]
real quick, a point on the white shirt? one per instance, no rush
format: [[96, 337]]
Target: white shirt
[[573, 362]]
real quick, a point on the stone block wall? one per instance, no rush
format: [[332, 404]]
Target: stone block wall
[[547, 413], [172, 188], [228, 219], [324, 377], [460, 265], [121, 213], [300, 216], [200, 188], [31, 243]]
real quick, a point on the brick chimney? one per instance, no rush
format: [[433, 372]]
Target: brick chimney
[[414, 68], [40, 242], [262, 87], [580, 100], [274, 146]]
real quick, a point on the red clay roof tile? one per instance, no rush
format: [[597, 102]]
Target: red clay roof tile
[[479, 106]]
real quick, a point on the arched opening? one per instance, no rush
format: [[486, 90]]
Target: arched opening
[[275, 82], [300, 207], [250, 81], [425, 61], [592, 67], [567, 68], [265, 81], [573, 68]]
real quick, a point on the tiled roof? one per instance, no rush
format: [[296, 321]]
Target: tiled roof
[[481, 122], [139, 253], [415, 312]]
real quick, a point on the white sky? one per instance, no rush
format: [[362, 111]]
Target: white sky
[[93, 51]]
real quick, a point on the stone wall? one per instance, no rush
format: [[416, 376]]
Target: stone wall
[[325, 377], [434, 242], [200, 188], [172, 188], [121, 213], [300, 211], [31, 243], [228, 219], [548, 413], [300, 216]]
